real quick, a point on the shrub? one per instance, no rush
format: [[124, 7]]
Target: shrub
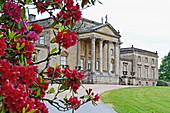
[[161, 83]]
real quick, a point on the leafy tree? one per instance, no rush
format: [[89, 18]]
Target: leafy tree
[[22, 86], [164, 70]]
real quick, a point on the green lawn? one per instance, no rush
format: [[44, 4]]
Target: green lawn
[[139, 99]]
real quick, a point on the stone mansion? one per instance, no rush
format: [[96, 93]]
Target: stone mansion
[[98, 54]]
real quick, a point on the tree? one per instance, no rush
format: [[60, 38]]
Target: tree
[[164, 70], [22, 85]]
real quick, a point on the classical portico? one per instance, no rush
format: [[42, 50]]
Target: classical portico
[[98, 55]]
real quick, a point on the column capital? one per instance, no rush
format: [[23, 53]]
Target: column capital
[[93, 38], [101, 39]]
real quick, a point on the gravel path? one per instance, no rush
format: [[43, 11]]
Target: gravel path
[[88, 108]]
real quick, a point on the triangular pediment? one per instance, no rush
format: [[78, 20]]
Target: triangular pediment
[[106, 30]]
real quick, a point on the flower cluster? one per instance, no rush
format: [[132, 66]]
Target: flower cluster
[[74, 78], [27, 48], [67, 38], [54, 73], [75, 103], [73, 14], [3, 46], [16, 79], [93, 97], [22, 86], [37, 28], [12, 9]]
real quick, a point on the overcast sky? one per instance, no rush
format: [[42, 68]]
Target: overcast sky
[[142, 23]]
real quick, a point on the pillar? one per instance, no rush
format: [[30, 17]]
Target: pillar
[[117, 58], [101, 56], [108, 58], [78, 52], [93, 41]]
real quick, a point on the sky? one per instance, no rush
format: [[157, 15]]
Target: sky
[[142, 23]]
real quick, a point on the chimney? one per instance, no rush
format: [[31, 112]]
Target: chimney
[[31, 17]]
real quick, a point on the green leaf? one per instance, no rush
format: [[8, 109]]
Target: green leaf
[[34, 88], [38, 92], [52, 90], [25, 61], [64, 78], [19, 47], [2, 2], [28, 1], [32, 111], [23, 16], [11, 34], [85, 96], [54, 50], [53, 24], [35, 84], [53, 40], [94, 103], [61, 28], [1, 35], [3, 108], [64, 85]]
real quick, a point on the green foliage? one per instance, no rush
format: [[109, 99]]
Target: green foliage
[[164, 70], [139, 99], [161, 83]]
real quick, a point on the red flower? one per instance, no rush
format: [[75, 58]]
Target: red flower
[[3, 46], [54, 72], [75, 103], [38, 28], [67, 38], [96, 98]]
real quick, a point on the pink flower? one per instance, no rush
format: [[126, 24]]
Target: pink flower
[[23, 29], [32, 36], [12, 9]]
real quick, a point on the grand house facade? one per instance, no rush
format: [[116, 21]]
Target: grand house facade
[[97, 53]]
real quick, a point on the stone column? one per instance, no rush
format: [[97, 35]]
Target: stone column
[[86, 53], [93, 61], [101, 56], [78, 52], [108, 58], [117, 58]]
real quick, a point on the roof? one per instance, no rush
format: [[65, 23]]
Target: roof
[[94, 28], [132, 49]]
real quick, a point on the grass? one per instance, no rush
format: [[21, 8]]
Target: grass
[[139, 99]]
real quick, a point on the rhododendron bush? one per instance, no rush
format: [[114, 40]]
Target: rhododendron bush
[[22, 86]]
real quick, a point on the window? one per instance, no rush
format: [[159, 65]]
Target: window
[[153, 73], [82, 64], [63, 60], [139, 72], [111, 52], [146, 72], [147, 84], [146, 60], [152, 61], [89, 65], [124, 67], [97, 65], [42, 40], [139, 58]]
